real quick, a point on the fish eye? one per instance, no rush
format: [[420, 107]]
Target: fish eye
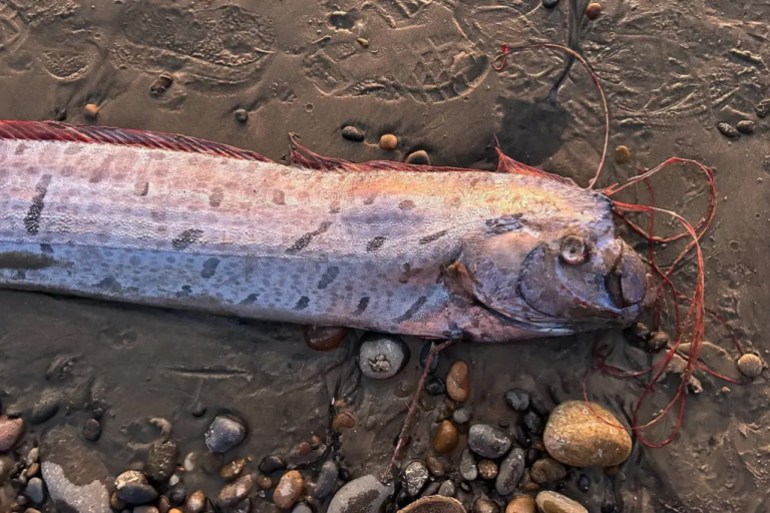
[[573, 250]]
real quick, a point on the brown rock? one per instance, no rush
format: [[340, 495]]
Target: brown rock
[[593, 10], [458, 381], [90, 110], [552, 502], [750, 365], [289, 489], [264, 482], [233, 468], [547, 470], [434, 504], [487, 469], [10, 432], [484, 505], [342, 421], [622, 154], [388, 142], [446, 438], [583, 434], [195, 502], [324, 338], [521, 504]]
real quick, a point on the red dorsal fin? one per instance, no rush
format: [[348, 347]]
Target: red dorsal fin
[[506, 164], [57, 131]]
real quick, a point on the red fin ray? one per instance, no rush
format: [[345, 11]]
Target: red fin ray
[[57, 131], [506, 164]]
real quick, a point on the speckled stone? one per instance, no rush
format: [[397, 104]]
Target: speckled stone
[[10, 432], [521, 504], [288, 489], [458, 381], [552, 502], [511, 470], [224, 433], [132, 487], [362, 495], [487, 441], [547, 470]]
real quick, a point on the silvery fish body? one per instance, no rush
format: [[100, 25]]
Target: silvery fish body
[[177, 222]]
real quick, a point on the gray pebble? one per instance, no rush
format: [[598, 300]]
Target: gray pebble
[[224, 433], [363, 495], [431, 489], [161, 461], [241, 115], [132, 487], [447, 488], [44, 410], [550, 4], [415, 476], [327, 480], [728, 130], [233, 493], [468, 468], [35, 490], [435, 386], [92, 430], [302, 508], [382, 356], [511, 470], [33, 456], [352, 133], [487, 441], [462, 415], [745, 126], [763, 108], [533, 422], [419, 157], [517, 399]]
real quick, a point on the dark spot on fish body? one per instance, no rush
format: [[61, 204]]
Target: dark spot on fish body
[[369, 200], [186, 238], [32, 219], [432, 237], [375, 244], [363, 303], [73, 149], [250, 299], [24, 260], [412, 310], [110, 284], [328, 276], [20, 149], [142, 188], [305, 239], [279, 198], [209, 267], [303, 303], [216, 197], [406, 205], [185, 292], [504, 224], [158, 215], [47, 249]]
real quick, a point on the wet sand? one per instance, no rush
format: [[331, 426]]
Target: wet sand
[[421, 70]]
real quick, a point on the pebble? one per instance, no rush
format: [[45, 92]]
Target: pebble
[[593, 10], [241, 115], [657, 341], [462, 415], [195, 502], [327, 480], [745, 126], [517, 399], [552, 502], [343, 420], [146, 509], [233, 468], [161, 461], [487, 469], [511, 471], [10, 432], [363, 42], [435, 386], [468, 468], [160, 85], [447, 437], [382, 356], [132, 487], [44, 410], [458, 381], [447, 488], [750, 365], [521, 504], [224, 433], [388, 142], [487, 441], [415, 476], [547, 470], [288, 489], [763, 108], [272, 463], [264, 482], [92, 430], [728, 130], [31, 510], [233, 493], [434, 504], [353, 133], [362, 495], [90, 110], [302, 508], [550, 4], [35, 490], [419, 157], [33, 469], [324, 338], [583, 483], [435, 466], [484, 505], [638, 334], [622, 154], [533, 422], [575, 435]]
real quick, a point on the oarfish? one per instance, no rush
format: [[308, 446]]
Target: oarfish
[[173, 221]]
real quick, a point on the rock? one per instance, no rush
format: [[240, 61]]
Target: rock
[[657, 341], [92, 430], [458, 381], [415, 477], [224, 433], [302, 508], [521, 504], [382, 356], [160, 85], [270, 464], [435, 466], [6, 467], [132, 487], [517, 399], [435, 386], [762, 108], [484, 505], [419, 157], [362, 495], [434, 504], [324, 338], [33, 456], [233, 468], [462, 415], [447, 437], [550, 4], [468, 468], [447, 488], [343, 420], [145, 509], [288, 489], [487, 441], [44, 410], [511, 470], [388, 142], [745, 126], [264, 482], [583, 483], [728, 130], [638, 334], [90, 111], [622, 154], [487, 469], [353, 133], [241, 115], [552, 502], [35, 490], [547, 470], [327, 480], [575, 435], [195, 502], [161, 461], [750, 365], [593, 10], [10, 432], [533, 422], [74, 474], [233, 493]]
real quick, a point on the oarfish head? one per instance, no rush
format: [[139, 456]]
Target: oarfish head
[[553, 274]]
